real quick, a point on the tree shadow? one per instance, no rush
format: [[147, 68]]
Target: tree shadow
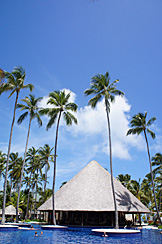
[[124, 199]]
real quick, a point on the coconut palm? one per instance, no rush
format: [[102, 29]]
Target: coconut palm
[[32, 157], [139, 125], [31, 108], [146, 187], [61, 106], [15, 83], [124, 179], [102, 88], [45, 195], [46, 156]]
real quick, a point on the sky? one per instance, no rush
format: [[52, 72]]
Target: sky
[[61, 45]]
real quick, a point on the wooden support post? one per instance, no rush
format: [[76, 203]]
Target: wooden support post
[[139, 215], [82, 219], [133, 219]]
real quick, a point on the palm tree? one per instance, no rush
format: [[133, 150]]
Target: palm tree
[[45, 153], [102, 88], [157, 161], [32, 158], [125, 180], [31, 108], [146, 187], [13, 169], [61, 106], [15, 83], [139, 125]]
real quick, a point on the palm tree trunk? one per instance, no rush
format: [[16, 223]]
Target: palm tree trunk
[[45, 183], [111, 169], [160, 201], [26, 215], [8, 154], [36, 187], [54, 173], [22, 170], [152, 178], [10, 188]]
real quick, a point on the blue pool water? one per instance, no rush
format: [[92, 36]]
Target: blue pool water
[[75, 236]]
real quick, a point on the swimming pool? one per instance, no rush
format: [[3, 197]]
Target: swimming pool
[[75, 236]]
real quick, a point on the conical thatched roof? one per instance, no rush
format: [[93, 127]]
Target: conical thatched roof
[[10, 210], [90, 190]]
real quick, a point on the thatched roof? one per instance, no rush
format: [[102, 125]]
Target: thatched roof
[[10, 210], [90, 190]]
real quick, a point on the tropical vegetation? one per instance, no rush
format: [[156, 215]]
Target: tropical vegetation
[[25, 177]]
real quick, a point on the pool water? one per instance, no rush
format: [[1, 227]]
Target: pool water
[[75, 236]]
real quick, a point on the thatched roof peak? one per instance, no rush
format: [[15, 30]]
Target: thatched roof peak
[[90, 190]]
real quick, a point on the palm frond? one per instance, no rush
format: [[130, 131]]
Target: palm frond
[[12, 93], [151, 133], [44, 111], [71, 106], [38, 120], [51, 122], [22, 117], [69, 118], [90, 91], [93, 101], [134, 131], [22, 106], [30, 86], [151, 121]]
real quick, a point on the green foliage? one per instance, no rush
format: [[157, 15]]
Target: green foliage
[[102, 88]]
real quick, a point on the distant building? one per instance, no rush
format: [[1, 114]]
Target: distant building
[[87, 199], [10, 212]]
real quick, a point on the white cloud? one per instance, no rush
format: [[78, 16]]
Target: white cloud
[[94, 122]]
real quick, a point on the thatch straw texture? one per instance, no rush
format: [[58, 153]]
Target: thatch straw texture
[[90, 190], [10, 210]]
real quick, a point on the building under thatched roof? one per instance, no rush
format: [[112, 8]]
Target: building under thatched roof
[[90, 192], [10, 210]]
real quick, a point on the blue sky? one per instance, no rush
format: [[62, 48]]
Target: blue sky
[[62, 45]]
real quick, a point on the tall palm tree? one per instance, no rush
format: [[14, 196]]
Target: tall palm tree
[[46, 156], [61, 106], [31, 108], [32, 158], [15, 83], [139, 125], [102, 88]]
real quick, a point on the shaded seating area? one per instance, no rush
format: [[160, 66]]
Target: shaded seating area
[[87, 200]]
